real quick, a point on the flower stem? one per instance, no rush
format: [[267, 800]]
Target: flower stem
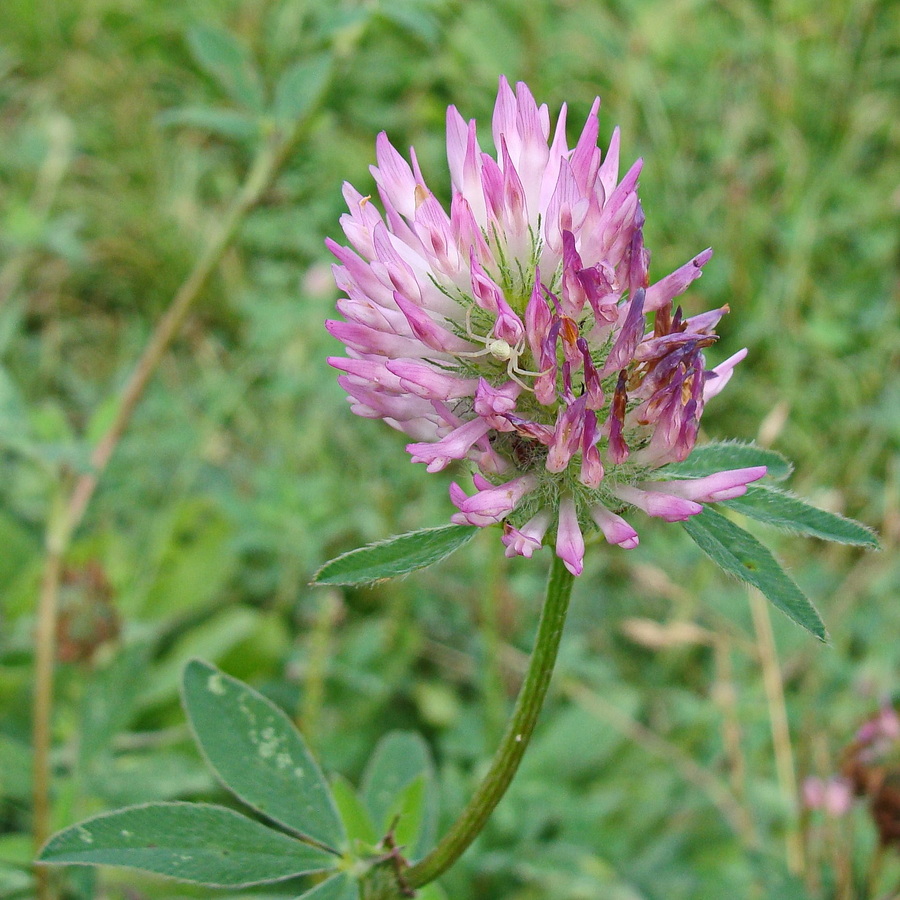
[[512, 747]]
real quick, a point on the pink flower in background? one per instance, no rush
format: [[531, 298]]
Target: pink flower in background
[[515, 332], [884, 727], [834, 796]]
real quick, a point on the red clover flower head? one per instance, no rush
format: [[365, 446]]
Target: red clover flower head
[[516, 332]]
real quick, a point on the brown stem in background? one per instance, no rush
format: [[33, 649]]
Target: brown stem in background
[[69, 515]]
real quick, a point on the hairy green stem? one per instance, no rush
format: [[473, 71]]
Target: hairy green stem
[[512, 747], [70, 512]]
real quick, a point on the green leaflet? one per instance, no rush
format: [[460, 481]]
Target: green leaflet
[[723, 455], [226, 59], [409, 813], [399, 779], [742, 555], [354, 814], [338, 887], [395, 556], [783, 510], [195, 842], [300, 87], [258, 754]]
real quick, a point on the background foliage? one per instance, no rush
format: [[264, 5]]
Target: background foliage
[[770, 129]]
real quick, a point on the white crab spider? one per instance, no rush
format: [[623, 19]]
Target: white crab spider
[[501, 350]]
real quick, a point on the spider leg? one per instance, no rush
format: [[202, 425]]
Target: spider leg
[[473, 354], [469, 322], [514, 360], [511, 371]]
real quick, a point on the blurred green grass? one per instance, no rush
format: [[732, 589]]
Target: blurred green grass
[[769, 131]]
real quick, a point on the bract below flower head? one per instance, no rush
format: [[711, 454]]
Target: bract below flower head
[[520, 331]]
